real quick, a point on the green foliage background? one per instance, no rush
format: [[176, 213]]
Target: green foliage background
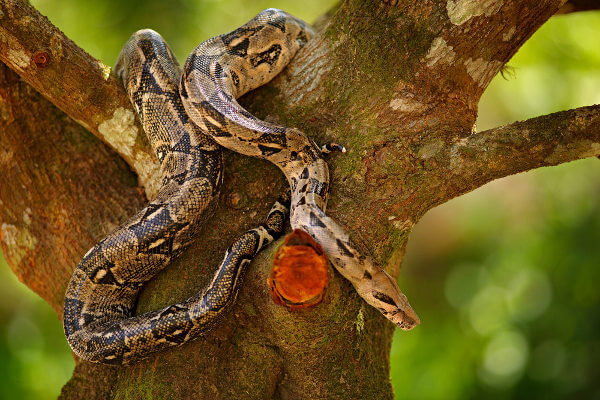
[[505, 278]]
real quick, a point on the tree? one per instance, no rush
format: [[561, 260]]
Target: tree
[[397, 82]]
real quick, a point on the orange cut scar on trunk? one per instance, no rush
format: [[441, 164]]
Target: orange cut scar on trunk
[[299, 274]]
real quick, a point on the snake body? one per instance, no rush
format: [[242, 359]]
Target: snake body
[[185, 114], [222, 69], [101, 296]]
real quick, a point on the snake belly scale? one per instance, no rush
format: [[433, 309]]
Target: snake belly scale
[[187, 116]]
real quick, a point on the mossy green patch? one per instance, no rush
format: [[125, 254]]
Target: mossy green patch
[[396, 241], [146, 386], [360, 321], [383, 46]]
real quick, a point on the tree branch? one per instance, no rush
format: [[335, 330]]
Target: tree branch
[[54, 201], [572, 6], [477, 39], [76, 83], [543, 141], [397, 85]]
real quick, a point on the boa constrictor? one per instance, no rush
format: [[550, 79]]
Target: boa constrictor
[[178, 110]]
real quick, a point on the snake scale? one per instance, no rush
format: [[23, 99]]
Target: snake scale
[[187, 115]]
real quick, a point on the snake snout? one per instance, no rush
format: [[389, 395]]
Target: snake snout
[[403, 320]]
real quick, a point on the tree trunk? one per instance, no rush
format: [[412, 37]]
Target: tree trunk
[[396, 82]]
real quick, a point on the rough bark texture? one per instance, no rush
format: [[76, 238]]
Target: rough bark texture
[[396, 82]]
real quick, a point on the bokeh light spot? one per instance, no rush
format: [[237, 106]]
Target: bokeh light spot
[[488, 312], [504, 359], [528, 294]]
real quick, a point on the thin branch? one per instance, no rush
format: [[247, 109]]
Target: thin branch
[[579, 5], [76, 83], [543, 141], [483, 51]]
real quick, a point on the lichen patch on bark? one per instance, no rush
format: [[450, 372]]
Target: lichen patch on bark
[[506, 36], [482, 71], [105, 70], [148, 173], [19, 57], [406, 104], [56, 44], [18, 242], [120, 130], [15, 51], [431, 148], [440, 52], [27, 216], [404, 225], [456, 160], [460, 11], [121, 133], [360, 321]]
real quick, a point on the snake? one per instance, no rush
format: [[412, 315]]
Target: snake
[[100, 299], [188, 114]]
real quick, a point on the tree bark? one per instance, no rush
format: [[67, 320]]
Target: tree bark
[[76, 83], [396, 82]]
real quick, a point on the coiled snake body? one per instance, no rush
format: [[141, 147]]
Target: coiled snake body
[[178, 111]]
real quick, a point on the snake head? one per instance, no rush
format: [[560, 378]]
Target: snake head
[[404, 317], [384, 294]]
